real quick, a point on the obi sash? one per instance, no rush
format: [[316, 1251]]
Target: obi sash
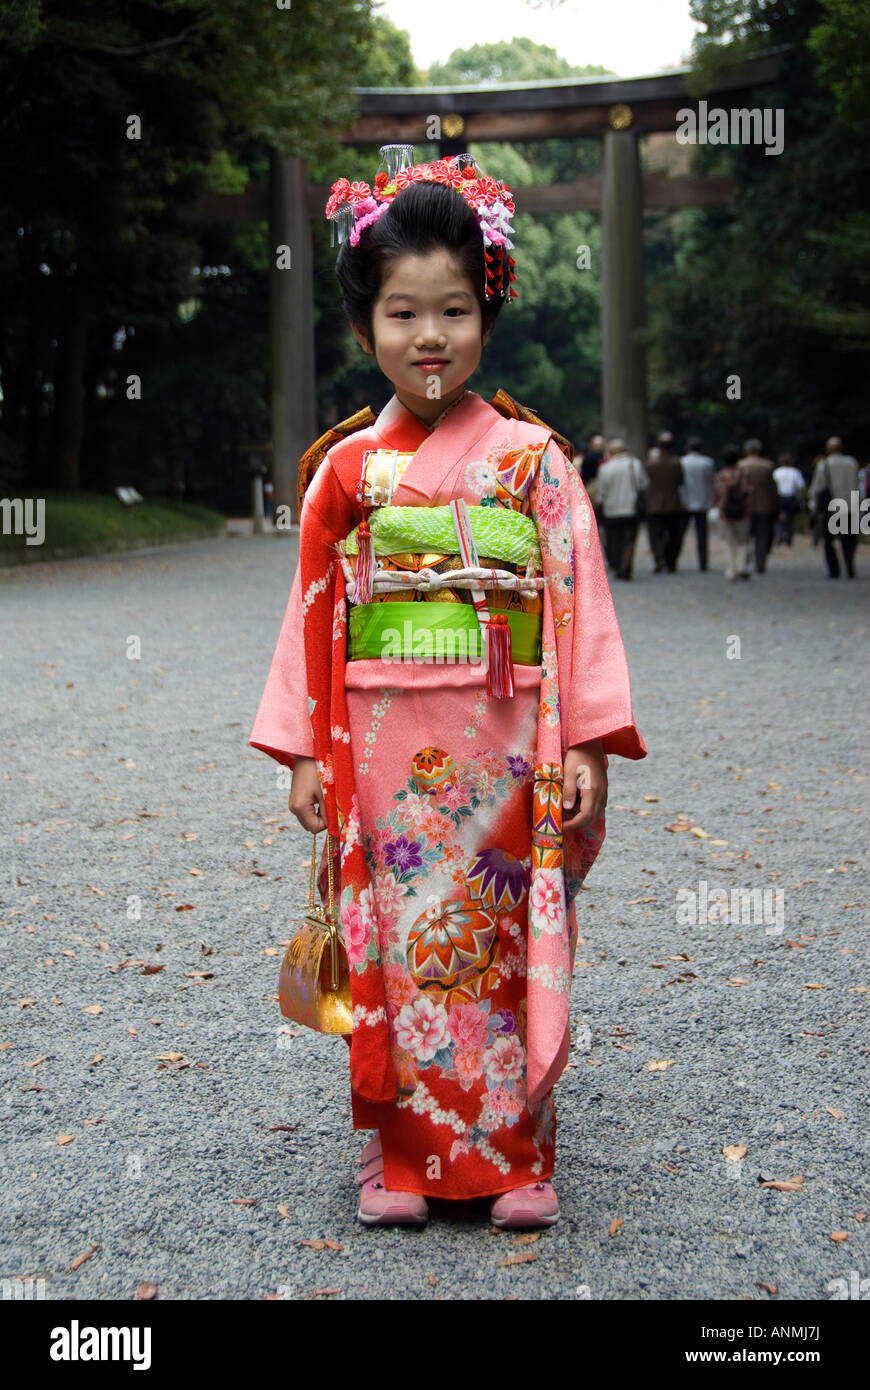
[[437, 632]]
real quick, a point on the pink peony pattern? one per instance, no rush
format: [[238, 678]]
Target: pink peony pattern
[[421, 1028]]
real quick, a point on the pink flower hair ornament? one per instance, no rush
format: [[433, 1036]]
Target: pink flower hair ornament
[[352, 207]]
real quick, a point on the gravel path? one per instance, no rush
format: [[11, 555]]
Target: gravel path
[[130, 789]]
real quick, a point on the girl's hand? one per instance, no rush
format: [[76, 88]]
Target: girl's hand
[[306, 796], [585, 780]]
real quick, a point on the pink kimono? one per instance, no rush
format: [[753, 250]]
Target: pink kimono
[[458, 885]]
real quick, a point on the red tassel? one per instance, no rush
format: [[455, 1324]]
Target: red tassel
[[365, 565], [487, 257], [514, 294], [499, 664]]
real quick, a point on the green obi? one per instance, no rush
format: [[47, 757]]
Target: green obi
[[433, 632], [499, 533]]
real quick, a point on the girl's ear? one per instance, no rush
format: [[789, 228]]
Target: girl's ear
[[362, 338]]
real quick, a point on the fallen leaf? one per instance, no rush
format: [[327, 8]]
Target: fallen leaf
[[737, 982], [650, 798], [94, 1060], [65, 1138], [199, 974], [38, 1062], [839, 1235], [734, 1152], [184, 907], [100, 1121], [284, 1211], [676, 826], [169, 1056], [271, 951], [860, 1216], [198, 873], [671, 1169], [244, 1201], [88, 1255], [333, 1245], [325, 1291], [812, 986], [4, 1047], [273, 1128], [314, 1244], [92, 1009], [660, 1065], [525, 1258], [615, 1225], [147, 1291], [790, 1185], [132, 1031], [528, 1239], [27, 1003], [768, 1288], [152, 970], [681, 956], [432, 1280], [837, 1114], [699, 833]]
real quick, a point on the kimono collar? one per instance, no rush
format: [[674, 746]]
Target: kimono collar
[[401, 429]]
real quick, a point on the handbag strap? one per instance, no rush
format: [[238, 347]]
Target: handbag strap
[[312, 907]]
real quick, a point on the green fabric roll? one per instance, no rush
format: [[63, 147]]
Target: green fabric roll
[[499, 533], [440, 631]]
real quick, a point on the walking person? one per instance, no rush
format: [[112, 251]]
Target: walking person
[[731, 499], [835, 480], [464, 798], [622, 483], [696, 493], [790, 487], [665, 513], [763, 501]]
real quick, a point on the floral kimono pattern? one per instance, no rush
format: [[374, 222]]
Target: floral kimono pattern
[[457, 882]]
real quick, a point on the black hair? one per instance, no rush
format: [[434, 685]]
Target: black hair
[[425, 216], [730, 453], [695, 444]]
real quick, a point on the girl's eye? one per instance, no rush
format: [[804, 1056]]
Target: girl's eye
[[455, 310], [400, 313]]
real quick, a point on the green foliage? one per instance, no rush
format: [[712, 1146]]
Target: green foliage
[[91, 524]]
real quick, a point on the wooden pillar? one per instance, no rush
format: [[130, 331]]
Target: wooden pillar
[[291, 314], [623, 355]]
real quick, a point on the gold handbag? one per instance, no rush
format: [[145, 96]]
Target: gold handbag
[[314, 985]]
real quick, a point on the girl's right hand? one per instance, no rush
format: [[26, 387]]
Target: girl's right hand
[[306, 796]]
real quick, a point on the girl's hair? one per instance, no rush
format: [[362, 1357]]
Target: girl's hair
[[422, 217]]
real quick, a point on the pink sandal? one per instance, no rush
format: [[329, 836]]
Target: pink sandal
[[379, 1206], [536, 1204]]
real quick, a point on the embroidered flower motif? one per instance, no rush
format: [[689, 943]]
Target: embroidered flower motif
[[421, 1028], [504, 1061], [357, 191], [399, 988], [389, 893], [480, 477], [357, 932], [403, 854], [467, 1024], [325, 772], [468, 1065], [546, 902], [550, 505], [519, 768]]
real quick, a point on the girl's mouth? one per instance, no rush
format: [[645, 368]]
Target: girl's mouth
[[431, 364]]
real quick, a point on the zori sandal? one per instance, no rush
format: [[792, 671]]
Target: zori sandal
[[533, 1205], [379, 1206]]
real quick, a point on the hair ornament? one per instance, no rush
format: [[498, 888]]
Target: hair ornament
[[352, 207]]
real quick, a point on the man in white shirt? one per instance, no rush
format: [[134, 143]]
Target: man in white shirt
[[621, 478], [696, 493], [837, 475], [790, 486]]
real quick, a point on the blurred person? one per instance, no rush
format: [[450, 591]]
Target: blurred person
[[763, 502], [835, 479], [696, 493], [790, 486], [731, 498], [665, 513], [622, 482]]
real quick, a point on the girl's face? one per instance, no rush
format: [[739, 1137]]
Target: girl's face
[[426, 325]]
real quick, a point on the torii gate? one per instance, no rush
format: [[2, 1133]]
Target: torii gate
[[618, 110]]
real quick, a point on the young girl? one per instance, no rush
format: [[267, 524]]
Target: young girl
[[447, 686]]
